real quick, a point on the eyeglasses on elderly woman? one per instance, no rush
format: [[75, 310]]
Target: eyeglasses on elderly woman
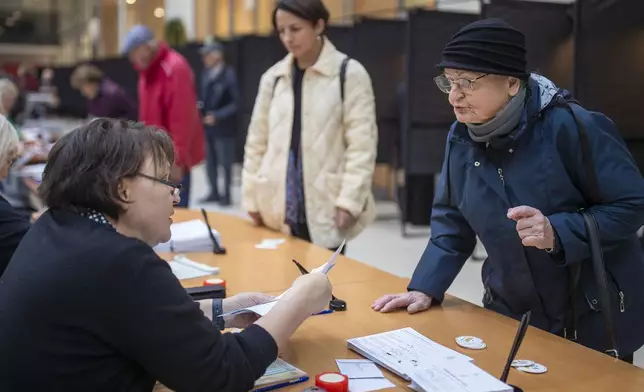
[[445, 84]]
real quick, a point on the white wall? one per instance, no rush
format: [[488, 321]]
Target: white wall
[[182, 9]]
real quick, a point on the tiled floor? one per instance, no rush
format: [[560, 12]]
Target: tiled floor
[[380, 245]]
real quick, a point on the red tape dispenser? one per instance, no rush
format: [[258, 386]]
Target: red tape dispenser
[[215, 282], [332, 382]]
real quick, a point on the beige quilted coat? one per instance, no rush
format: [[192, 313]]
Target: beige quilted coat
[[338, 151]]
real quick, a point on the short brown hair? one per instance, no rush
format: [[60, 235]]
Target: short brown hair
[[85, 73], [86, 166], [309, 10]]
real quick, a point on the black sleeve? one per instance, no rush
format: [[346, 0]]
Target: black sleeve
[[13, 226], [152, 320]]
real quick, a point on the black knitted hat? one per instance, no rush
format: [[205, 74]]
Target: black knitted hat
[[488, 46]]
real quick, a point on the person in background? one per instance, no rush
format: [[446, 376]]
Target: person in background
[[105, 98], [514, 174], [219, 102], [168, 99], [47, 87], [9, 95], [87, 304], [310, 153], [13, 225]]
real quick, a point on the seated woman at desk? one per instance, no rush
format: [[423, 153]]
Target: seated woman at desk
[[87, 305], [516, 173], [13, 225]]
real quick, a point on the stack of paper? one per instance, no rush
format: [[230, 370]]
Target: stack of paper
[[455, 376], [430, 366], [184, 268], [190, 236], [402, 351]]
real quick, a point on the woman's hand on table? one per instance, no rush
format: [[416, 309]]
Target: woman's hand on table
[[256, 217], [241, 301], [414, 301]]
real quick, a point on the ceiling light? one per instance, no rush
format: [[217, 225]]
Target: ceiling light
[[159, 12], [130, 2]]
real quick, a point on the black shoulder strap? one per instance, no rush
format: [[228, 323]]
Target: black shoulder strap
[[277, 79], [593, 197], [343, 75]]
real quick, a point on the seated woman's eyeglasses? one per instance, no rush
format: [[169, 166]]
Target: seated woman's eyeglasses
[[465, 85], [176, 188]]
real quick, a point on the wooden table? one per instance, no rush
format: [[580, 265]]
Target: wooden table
[[322, 339]]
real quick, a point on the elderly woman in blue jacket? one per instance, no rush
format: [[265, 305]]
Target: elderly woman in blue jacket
[[514, 175]]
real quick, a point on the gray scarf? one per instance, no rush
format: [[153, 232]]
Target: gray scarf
[[505, 121]]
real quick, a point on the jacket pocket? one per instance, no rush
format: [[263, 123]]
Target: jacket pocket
[[619, 300]]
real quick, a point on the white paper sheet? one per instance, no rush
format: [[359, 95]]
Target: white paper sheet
[[403, 351], [359, 368], [369, 384], [184, 268], [456, 376]]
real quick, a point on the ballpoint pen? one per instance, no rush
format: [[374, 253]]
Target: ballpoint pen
[[335, 303]]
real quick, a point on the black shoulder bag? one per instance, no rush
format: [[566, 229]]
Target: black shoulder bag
[[596, 252]]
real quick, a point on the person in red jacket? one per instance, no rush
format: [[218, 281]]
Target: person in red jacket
[[168, 99]]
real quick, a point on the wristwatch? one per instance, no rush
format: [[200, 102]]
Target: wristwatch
[[217, 310]]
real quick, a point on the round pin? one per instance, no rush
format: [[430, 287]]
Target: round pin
[[522, 363], [471, 342], [535, 368]]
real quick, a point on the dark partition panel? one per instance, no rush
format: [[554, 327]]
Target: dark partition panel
[[609, 68], [384, 61], [427, 112], [550, 50], [256, 55], [343, 38]]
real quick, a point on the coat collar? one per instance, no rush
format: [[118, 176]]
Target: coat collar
[[162, 52], [326, 63]]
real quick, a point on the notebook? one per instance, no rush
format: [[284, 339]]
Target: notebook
[[403, 351], [278, 372]]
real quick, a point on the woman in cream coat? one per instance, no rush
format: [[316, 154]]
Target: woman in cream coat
[[310, 153]]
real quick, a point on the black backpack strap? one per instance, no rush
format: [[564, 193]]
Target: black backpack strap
[[277, 79], [343, 75], [593, 197]]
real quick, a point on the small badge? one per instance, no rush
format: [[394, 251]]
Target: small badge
[[535, 368], [522, 363], [471, 342]]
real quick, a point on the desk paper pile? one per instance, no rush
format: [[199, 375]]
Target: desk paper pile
[[190, 236], [263, 309], [430, 366]]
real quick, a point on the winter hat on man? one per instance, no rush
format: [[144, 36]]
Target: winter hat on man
[[488, 46]]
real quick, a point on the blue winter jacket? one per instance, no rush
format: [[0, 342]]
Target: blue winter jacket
[[540, 165]]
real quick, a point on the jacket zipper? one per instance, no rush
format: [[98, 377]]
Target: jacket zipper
[[500, 171], [622, 306]]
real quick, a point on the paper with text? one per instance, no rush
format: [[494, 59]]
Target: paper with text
[[403, 351], [456, 376]]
